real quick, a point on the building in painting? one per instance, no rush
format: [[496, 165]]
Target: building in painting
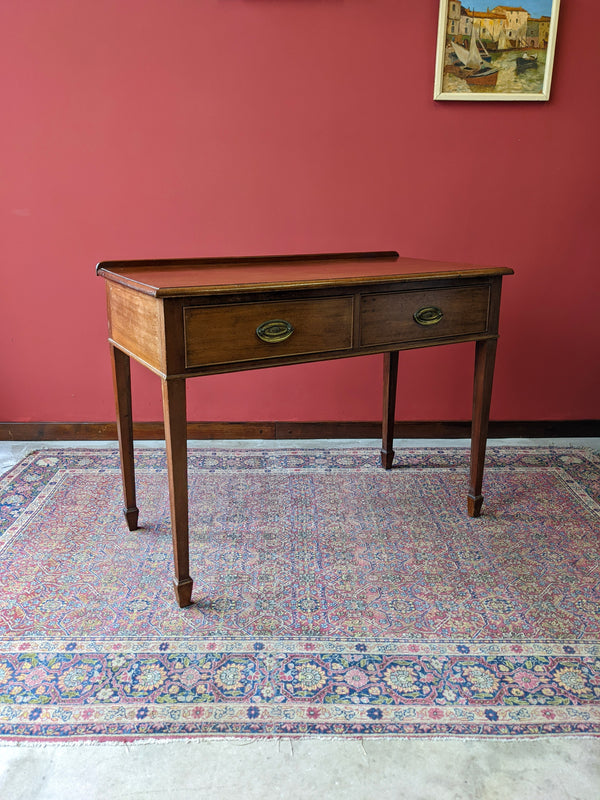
[[544, 31], [489, 25], [532, 33], [454, 10], [515, 28], [501, 28], [516, 16], [466, 22]]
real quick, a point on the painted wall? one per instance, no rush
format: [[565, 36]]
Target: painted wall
[[158, 128]]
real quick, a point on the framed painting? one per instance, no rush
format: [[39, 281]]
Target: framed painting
[[499, 53]]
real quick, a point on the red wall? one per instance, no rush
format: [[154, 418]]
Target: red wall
[[158, 128]]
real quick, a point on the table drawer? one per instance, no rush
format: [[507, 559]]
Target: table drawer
[[420, 315], [256, 331]]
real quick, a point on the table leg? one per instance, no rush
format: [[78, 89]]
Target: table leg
[[485, 356], [390, 380], [122, 386], [174, 409]]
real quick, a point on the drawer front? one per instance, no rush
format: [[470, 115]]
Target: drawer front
[[421, 315], [255, 331]]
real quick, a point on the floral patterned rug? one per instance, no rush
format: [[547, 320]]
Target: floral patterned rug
[[331, 597]]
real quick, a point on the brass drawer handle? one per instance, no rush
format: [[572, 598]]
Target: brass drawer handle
[[274, 330], [429, 315]]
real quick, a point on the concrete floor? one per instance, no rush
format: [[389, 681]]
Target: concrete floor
[[302, 769]]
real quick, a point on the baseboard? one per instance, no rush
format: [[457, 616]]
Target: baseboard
[[79, 431]]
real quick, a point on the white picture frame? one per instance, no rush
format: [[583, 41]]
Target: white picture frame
[[499, 53]]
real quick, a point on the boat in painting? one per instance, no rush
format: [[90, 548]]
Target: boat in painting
[[526, 61], [471, 66], [486, 76], [485, 56], [460, 53]]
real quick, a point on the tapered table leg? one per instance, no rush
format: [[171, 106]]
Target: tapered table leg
[[485, 356], [390, 380], [122, 386], [174, 409]]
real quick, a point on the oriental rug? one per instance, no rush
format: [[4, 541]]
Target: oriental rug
[[331, 597]]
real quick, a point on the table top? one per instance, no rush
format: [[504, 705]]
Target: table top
[[194, 276]]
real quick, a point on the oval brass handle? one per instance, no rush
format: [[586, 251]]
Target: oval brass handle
[[429, 315], [274, 330]]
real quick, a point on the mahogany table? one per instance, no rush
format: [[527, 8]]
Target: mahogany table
[[183, 318]]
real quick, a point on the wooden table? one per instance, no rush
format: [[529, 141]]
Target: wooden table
[[188, 317]]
